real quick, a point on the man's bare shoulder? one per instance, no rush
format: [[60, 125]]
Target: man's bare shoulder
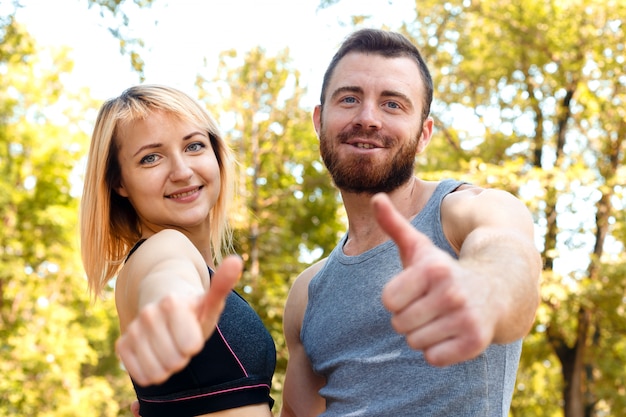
[[301, 284], [472, 195], [471, 207], [466, 191], [297, 300]]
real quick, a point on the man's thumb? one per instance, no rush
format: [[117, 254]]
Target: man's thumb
[[410, 242]]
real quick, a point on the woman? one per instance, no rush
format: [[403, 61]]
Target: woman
[[153, 215]]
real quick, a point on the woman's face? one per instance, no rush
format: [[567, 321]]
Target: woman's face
[[169, 172]]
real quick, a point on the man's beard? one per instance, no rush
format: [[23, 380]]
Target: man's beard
[[358, 173]]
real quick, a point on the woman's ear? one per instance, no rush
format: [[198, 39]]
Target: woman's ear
[[120, 189]]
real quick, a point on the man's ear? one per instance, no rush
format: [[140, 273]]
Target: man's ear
[[427, 134], [317, 117]]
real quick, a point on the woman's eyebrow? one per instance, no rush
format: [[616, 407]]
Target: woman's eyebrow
[[148, 146], [157, 144], [192, 134]]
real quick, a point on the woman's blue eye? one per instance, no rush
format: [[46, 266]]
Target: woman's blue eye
[[148, 159], [196, 146]]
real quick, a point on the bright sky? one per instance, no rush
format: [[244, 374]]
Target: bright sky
[[180, 34]]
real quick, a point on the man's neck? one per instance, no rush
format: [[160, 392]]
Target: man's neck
[[363, 230]]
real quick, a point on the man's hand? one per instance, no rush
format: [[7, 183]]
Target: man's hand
[[441, 307], [166, 334]]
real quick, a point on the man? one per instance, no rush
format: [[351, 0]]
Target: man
[[429, 322]]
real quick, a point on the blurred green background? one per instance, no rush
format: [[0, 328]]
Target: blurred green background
[[530, 96]]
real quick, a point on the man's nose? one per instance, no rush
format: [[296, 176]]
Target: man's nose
[[368, 116]]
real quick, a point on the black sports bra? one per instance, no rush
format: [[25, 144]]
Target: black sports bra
[[234, 368]]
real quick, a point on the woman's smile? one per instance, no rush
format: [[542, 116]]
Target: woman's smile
[[185, 195]]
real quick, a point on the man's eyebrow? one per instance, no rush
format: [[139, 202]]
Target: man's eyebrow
[[396, 94], [387, 93], [346, 89]]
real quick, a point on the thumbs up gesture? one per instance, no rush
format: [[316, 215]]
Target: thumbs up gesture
[[167, 333], [439, 305]]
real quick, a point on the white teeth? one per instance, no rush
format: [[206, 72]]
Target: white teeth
[[364, 146], [181, 195]]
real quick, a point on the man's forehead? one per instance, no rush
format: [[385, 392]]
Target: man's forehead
[[362, 71]]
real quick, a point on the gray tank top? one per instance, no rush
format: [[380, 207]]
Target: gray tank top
[[369, 368]]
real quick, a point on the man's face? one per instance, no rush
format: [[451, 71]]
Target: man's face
[[371, 126]]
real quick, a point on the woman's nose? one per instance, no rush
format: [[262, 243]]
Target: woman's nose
[[181, 170]]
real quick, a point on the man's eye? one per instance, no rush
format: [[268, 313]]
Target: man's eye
[[349, 100], [393, 105]]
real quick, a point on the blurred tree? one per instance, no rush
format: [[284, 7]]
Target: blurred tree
[[56, 348], [115, 14], [530, 97], [287, 212]]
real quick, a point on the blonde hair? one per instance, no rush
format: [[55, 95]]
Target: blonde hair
[[109, 225]]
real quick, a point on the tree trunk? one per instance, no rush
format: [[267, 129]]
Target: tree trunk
[[573, 367]]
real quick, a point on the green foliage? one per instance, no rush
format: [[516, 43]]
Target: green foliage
[[56, 348], [115, 12]]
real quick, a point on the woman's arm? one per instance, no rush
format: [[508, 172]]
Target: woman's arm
[[168, 306]]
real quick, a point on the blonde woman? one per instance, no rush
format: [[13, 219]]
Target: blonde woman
[[153, 216]]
